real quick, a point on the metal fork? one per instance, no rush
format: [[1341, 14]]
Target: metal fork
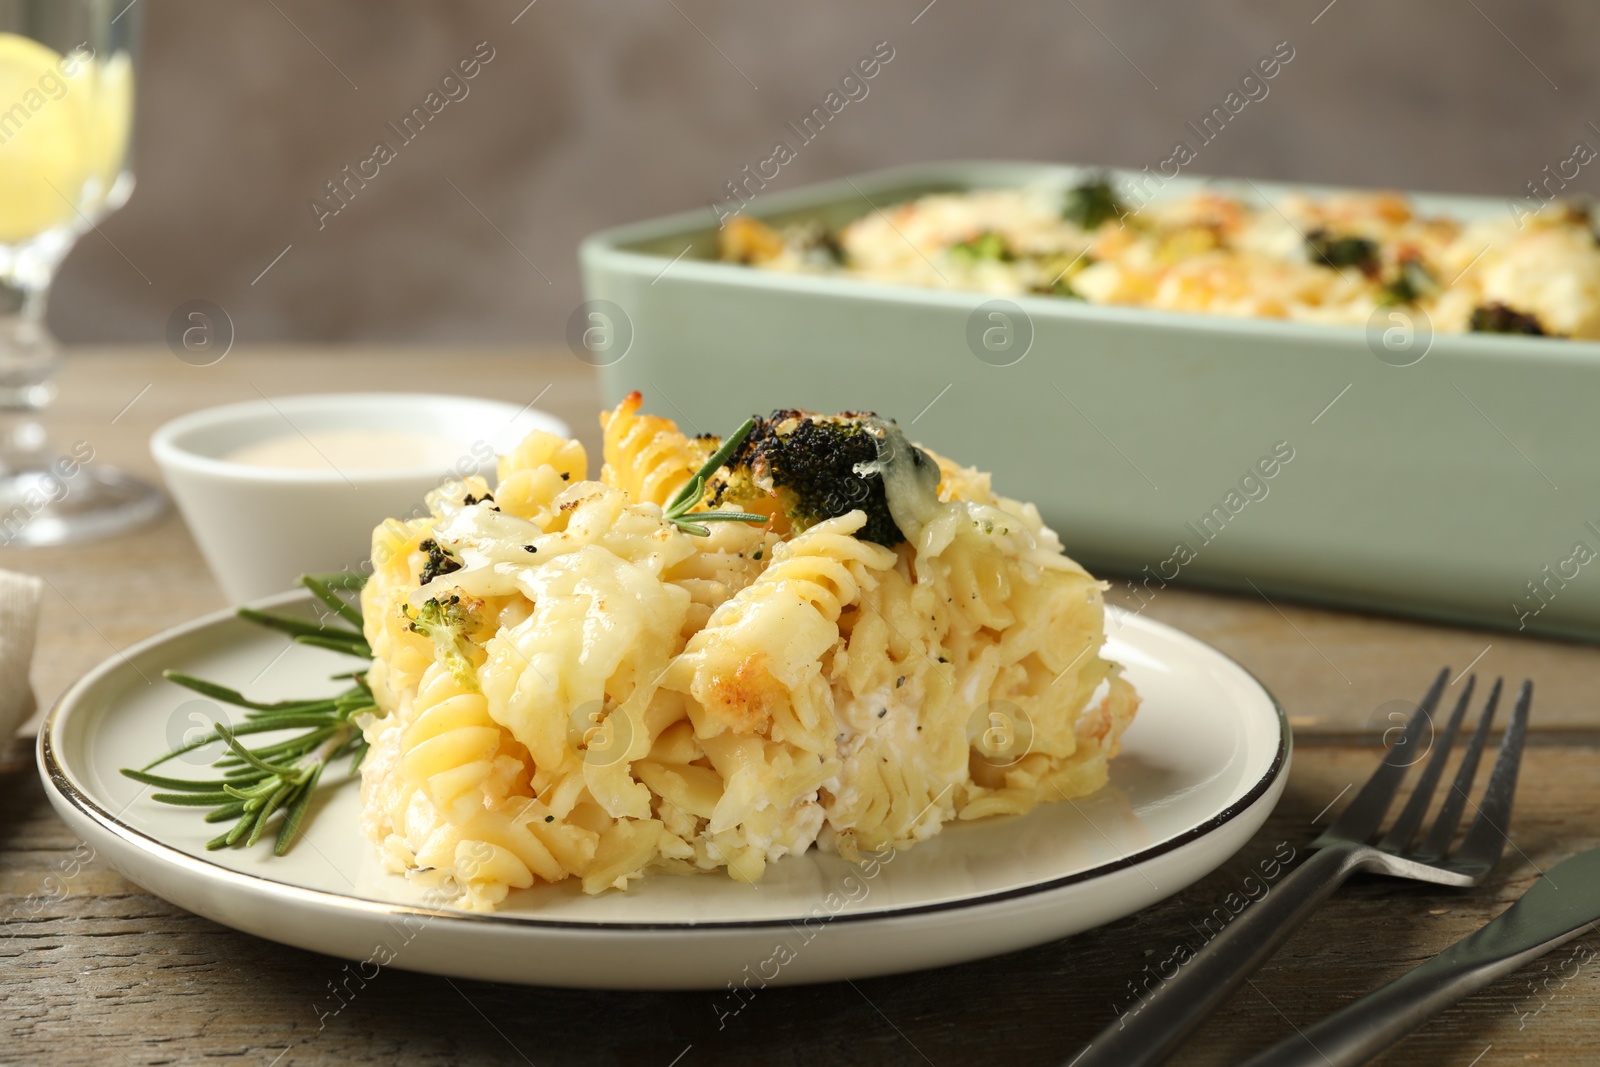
[[1210, 976]]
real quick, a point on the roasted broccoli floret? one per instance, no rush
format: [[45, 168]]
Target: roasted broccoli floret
[[1092, 203], [819, 467], [1498, 318], [1336, 252], [446, 623]]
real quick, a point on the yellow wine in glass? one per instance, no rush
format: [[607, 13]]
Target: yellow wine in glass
[[66, 112]]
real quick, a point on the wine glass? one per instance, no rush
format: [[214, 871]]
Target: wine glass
[[66, 113]]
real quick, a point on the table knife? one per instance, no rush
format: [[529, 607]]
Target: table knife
[[1561, 905]]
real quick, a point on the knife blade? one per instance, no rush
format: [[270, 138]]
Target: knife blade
[[1561, 905]]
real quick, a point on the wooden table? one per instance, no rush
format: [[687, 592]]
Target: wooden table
[[105, 973]]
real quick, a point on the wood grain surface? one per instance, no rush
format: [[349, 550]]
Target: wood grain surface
[[95, 971]]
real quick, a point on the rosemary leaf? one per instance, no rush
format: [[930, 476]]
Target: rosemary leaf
[[240, 828], [253, 727], [272, 805], [192, 800], [339, 580], [227, 811], [234, 697], [172, 783], [357, 647], [248, 756], [251, 796], [295, 627], [322, 592], [677, 510], [296, 813]]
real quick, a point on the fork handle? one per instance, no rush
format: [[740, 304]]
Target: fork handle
[[1158, 1024]]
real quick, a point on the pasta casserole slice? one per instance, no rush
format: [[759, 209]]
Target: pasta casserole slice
[[833, 638]]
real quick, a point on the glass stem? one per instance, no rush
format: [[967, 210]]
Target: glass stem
[[29, 362]]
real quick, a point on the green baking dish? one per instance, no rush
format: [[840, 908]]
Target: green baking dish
[[1272, 457]]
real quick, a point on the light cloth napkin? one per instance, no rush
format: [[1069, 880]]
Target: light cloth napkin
[[19, 625]]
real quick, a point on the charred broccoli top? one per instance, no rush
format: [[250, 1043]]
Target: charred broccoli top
[[817, 467]]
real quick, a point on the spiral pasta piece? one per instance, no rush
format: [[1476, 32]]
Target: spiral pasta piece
[[645, 455]]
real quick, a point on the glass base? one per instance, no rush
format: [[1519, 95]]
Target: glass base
[[38, 508]]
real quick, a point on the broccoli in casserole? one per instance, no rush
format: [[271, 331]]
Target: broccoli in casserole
[[1092, 203], [1411, 284], [987, 245], [1330, 251], [1498, 318]]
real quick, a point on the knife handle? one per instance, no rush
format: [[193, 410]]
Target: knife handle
[[1154, 1031], [1359, 1031]]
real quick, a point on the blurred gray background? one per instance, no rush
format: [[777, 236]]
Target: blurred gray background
[[592, 114]]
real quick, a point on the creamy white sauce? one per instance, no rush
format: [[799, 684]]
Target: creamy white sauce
[[350, 450]]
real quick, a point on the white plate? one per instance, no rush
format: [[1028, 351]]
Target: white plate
[[1201, 768]]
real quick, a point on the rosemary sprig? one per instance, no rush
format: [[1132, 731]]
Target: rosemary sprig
[[256, 783], [677, 509]]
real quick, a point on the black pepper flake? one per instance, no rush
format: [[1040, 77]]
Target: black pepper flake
[[882, 712], [487, 498], [549, 818], [565, 476], [530, 548], [943, 660], [898, 682]]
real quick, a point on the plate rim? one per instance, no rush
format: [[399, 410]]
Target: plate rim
[[57, 781]]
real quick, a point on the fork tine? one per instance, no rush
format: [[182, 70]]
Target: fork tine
[[1486, 837], [1360, 820], [1405, 827], [1444, 827]]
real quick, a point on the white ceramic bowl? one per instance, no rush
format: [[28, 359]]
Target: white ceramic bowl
[[259, 528]]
